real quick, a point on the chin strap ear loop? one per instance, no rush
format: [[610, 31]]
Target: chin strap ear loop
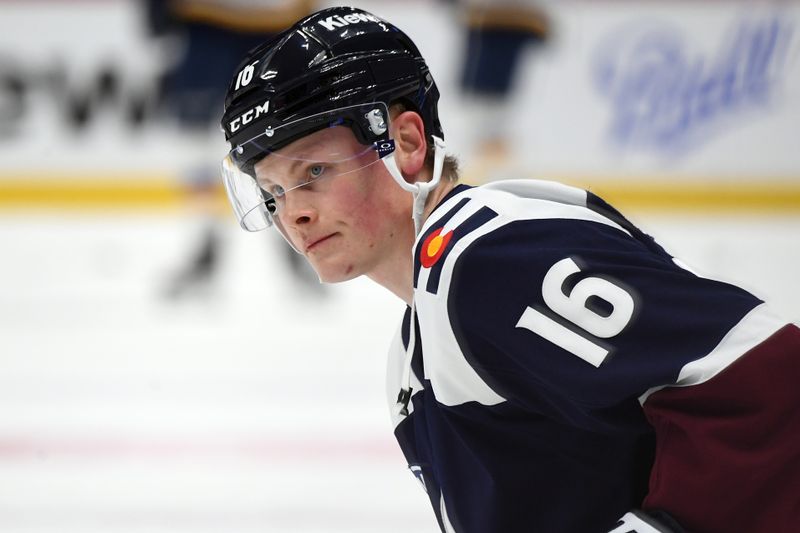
[[419, 189]]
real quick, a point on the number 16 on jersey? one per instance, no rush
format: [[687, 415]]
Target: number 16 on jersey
[[574, 308]]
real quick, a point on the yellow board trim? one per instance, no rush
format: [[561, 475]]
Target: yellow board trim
[[696, 195], [81, 192], [148, 191]]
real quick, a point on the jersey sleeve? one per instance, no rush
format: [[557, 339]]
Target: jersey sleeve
[[728, 449]]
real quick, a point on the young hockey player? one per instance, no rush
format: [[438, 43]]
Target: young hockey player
[[556, 369]]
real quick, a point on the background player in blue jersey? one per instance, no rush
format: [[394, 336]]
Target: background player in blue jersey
[[498, 36], [211, 35], [556, 370]]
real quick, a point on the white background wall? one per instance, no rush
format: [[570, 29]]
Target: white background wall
[[742, 128]]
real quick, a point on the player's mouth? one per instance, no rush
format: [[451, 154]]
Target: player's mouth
[[316, 243]]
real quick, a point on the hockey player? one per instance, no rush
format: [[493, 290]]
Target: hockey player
[[497, 36], [556, 370]]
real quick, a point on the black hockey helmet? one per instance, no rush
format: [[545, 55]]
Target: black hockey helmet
[[334, 59]]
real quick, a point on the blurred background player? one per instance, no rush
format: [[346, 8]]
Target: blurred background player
[[498, 35], [206, 39]]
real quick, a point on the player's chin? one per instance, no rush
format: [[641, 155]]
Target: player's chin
[[334, 272]]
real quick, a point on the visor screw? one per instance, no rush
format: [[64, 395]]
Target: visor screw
[[269, 132], [240, 149]]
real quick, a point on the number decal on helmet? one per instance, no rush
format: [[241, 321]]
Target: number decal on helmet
[[245, 75]]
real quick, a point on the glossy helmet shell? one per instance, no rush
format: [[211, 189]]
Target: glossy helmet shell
[[334, 58]]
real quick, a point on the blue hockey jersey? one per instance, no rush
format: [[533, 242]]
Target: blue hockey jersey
[[559, 368]]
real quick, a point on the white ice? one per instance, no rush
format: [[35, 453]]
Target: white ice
[[253, 407]]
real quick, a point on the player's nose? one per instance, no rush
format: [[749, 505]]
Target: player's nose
[[298, 209]]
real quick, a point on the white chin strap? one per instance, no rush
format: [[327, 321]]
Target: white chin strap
[[420, 189]]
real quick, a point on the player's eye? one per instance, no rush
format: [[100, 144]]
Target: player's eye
[[315, 172]]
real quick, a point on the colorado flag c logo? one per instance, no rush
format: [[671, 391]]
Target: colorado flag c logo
[[433, 247]]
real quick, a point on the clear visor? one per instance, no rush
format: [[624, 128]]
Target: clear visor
[[261, 173]]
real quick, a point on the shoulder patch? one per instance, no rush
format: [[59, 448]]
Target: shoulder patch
[[434, 246], [438, 240]]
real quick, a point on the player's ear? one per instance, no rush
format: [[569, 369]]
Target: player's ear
[[408, 132]]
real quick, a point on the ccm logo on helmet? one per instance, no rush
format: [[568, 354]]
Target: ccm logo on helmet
[[336, 21], [248, 116]]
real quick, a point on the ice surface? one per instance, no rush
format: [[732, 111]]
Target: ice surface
[[252, 407]]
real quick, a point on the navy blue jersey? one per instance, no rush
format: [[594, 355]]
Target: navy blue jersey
[[544, 327]]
